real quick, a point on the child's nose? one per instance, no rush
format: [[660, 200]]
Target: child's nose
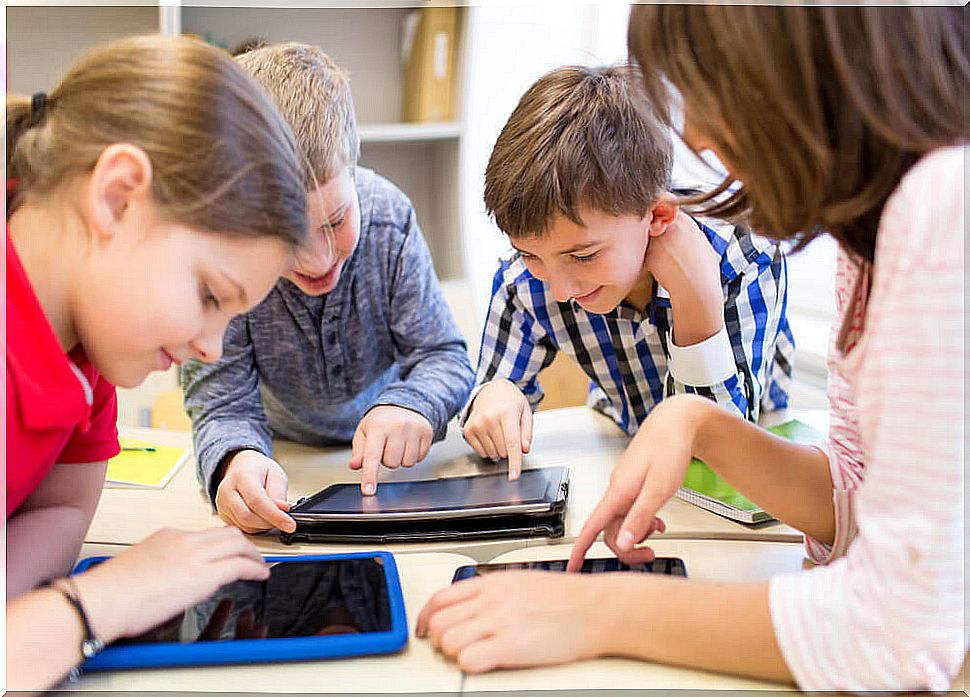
[[317, 255], [562, 288], [207, 347]]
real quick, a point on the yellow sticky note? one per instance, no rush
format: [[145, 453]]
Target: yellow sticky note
[[146, 465]]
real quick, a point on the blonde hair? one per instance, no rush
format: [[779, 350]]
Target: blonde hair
[[223, 160], [313, 94], [579, 136]]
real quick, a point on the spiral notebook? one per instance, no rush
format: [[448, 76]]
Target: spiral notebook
[[703, 487]]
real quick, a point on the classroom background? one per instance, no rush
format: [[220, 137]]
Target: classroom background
[[432, 88]]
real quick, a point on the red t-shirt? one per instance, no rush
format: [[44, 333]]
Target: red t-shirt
[[59, 409]]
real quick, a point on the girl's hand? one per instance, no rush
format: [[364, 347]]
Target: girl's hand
[[390, 436], [168, 572], [649, 473], [513, 619]]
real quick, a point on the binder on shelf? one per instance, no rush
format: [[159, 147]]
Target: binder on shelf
[[703, 487], [428, 52]]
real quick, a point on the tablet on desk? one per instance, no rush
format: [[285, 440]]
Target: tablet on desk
[[484, 506], [311, 607], [535, 492], [669, 566]]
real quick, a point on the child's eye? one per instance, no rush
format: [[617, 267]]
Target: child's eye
[[209, 299], [585, 258]]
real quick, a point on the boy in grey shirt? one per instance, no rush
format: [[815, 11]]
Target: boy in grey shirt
[[355, 344]]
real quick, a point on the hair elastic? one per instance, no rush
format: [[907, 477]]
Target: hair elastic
[[38, 105]]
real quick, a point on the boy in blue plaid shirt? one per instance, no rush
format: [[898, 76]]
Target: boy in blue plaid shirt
[[606, 267]]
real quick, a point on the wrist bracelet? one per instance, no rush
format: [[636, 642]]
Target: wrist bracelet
[[91, 645]]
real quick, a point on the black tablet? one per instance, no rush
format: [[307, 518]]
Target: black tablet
[[670, 566], [536, 492]]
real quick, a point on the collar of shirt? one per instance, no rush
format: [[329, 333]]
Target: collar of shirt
[[53, 390]]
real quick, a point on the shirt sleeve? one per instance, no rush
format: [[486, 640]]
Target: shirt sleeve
[[225, 406], [436, 374], [100, 440], [514, 347], [889, 615], [736, 366]]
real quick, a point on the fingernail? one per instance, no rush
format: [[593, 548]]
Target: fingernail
[[625, 540], [369, 489]]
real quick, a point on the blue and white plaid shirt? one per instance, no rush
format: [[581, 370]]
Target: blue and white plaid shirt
[[627, 353]]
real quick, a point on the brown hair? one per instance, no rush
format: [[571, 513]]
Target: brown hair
[[820, 110], [578, 137], [313, 94], [222, 158]]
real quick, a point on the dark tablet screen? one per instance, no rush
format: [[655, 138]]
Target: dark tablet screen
[[300, 598], [448, 493], [671, 566]]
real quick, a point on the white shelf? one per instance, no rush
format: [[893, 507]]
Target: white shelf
[[405, 132]]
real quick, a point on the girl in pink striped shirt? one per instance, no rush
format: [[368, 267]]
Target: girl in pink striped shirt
[[849, 121]]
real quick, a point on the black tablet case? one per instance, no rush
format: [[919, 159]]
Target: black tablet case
[[548, 524]]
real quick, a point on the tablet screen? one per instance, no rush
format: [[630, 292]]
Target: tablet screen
[[481, 491], [300, 598], [671, 566]]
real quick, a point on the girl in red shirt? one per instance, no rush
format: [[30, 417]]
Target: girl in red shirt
[[158, 193]]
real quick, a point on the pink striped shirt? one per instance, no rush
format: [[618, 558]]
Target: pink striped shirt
[[885, 610]]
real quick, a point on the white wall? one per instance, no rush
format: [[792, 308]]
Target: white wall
[[508, 48]]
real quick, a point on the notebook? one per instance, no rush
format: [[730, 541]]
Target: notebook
[[144, 465], [703, 487]]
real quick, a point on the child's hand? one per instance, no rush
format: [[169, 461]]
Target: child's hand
[[390, 436], [649, 473], [683, 261], [252, 494], [514, 619], [500, 424], [158, 578]]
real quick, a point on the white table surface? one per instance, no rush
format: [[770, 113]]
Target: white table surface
[[587, 442]]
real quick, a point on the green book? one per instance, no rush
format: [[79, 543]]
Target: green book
[[703, 487]]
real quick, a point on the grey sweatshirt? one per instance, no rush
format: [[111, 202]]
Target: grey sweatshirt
[[307, 368]]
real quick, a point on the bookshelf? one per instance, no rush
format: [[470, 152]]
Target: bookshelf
[[423, 159]]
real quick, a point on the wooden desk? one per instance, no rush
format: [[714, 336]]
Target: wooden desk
[[416, 669], [589, 443]]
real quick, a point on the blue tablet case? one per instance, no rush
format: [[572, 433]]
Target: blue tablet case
[[265, 650]]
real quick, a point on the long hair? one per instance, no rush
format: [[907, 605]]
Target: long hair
[[819, 111], [223, 160]]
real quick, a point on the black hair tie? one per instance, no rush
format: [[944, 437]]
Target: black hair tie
[[38, 105]]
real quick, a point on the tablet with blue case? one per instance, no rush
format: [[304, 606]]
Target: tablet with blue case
[[311, 607]]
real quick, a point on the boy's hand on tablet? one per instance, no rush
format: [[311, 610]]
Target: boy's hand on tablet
[[390, 436], [500, 424], [647, 476], [512, 619], [161, 576], [252, 494]]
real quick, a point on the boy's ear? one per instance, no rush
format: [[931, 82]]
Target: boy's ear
[[121, 176], [662, 214]]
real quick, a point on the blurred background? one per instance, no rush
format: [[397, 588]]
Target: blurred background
[[432, 86]]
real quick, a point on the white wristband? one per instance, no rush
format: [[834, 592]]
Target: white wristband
[[706, 363]]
